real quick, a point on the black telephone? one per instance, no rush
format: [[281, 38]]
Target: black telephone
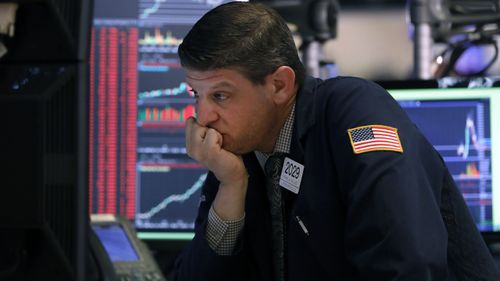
[[118, 253]]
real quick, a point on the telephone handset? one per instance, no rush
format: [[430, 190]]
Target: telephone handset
[[122, 255], [101, 267]]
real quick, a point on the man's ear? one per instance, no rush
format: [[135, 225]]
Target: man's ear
[[282, 81]]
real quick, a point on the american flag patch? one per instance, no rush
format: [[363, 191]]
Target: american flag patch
[[374, 138]]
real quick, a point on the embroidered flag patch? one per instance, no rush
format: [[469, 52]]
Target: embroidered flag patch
[[374, 138]]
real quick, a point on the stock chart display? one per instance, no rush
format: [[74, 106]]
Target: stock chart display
[[460, 132], [138, 106], [460, 124]]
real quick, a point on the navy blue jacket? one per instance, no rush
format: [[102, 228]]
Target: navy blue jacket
[[374, 216]]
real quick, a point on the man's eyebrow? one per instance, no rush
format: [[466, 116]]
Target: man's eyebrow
[[223, 84]]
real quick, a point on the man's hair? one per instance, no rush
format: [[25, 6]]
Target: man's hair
[[247, 37]]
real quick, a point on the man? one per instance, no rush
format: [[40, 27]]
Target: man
[[364, 196]]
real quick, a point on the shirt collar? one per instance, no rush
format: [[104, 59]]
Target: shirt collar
[[284, 139]]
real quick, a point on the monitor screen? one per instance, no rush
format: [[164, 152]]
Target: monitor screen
[[43, 105], [139, 102], [115, 241], [461, 120]]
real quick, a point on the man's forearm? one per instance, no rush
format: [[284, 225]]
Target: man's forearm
[[229, 203], [222, 236]]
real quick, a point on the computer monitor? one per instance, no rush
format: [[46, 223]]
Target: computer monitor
[[139, 102], [43, 107], [461, 119]]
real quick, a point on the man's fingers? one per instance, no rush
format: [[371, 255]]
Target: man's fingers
[[193, 129], [189, 127], [212, 138], [195, 134]]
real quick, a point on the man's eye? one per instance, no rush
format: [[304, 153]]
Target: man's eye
[[220, 96]]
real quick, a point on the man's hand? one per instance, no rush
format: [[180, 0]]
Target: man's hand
[[205, 146]]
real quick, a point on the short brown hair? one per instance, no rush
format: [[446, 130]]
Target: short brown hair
[[248, 37]]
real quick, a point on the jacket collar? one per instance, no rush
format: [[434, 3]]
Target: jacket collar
[[304, 116]]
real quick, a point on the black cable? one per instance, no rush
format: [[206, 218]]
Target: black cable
[[454, 51]]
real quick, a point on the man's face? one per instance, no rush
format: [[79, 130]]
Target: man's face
[[242, 112]]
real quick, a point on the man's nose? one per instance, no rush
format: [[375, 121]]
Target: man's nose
[[206, 113]]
